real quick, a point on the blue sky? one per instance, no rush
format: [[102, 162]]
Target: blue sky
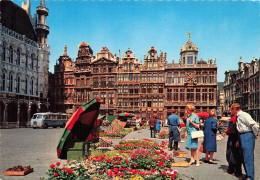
[[224, 30]]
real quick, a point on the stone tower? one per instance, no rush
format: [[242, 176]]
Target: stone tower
[[42, 31], [189, 53]]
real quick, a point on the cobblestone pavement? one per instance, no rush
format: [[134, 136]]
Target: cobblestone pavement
[[37, 148]]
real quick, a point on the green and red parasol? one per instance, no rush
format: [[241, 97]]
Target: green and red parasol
[[117, 124], [126, 115], [82, 126]]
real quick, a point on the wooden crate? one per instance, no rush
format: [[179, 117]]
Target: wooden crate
[[180, 164], [180, 154]]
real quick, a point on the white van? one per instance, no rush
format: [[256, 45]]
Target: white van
[[48, 119]]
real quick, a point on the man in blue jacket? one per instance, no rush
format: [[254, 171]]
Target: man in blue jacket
[[174, 134]]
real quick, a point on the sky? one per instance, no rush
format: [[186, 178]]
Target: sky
[[221, 29]]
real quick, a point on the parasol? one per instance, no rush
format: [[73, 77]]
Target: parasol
[[126, 115], [203, 115], [82, 123], [117, 124]]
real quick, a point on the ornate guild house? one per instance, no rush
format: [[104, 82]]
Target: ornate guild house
[[149, 87], [24, 62]]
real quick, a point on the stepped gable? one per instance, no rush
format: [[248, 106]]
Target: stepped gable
[[16, 18]]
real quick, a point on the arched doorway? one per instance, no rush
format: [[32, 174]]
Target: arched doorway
[[33, 110], [23, 115], [2, 108], [12, 113], [43, 108]]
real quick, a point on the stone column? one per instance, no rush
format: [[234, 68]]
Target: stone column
[[29, 112], [5, 115]]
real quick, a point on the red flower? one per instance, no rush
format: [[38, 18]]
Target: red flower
[[153, 170], [55, 174], [71, 172], [52, 166], [173, 176], [63, 168], [161, 164], [68, 161], [57, 163], [68, 170], [77, 156], [100, 172], [135, 164], [157, 159]]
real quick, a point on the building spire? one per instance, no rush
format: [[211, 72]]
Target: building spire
[[42, 4], [65, 51], [188, 35]]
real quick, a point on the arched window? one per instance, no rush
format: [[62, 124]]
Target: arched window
[[3, 52], [17, 83], [26, 60], [32, 61], [18, 57], [3, 81], [26, 86], [11, 55], [10, 82]]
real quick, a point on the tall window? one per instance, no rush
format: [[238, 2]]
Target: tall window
[[169, 77], [143, 89], [119, 89], [3, 53], [131, 77], [10, 82], [103, 82], [125, 66], [103, 97], [182, 94], [131, 66], [131, 89], [211, 77], [160, 77], [198, 95], [119, 101], [95, 69], [119, 77], [198, 77], [182, 78], [175, 80], [18, 81], [155, 89], [204, 94], [155, 103], [204, 77], [110, 98], [32, 86], [155, 77], [136, 89], [3, 82], [160, 103], [18, 57], [32, 61], [143, 77], [190, 60], [26, 60], [211, 94], [175, 94], [160, 89], [137, 77], [111, 68], [125, 89], [149, 64], [11, 55], [149, 78], [111, 82], [26, 86], [103, 69], [95, 83], [190, 94], [149, 88], [169, 94], [125, 77]]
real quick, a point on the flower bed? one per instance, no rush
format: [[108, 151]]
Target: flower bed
[[133, 144], [104, 143], [163, 135], [141, 163], [116, 134]]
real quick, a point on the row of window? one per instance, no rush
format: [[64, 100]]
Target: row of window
[[11, 83], [8, 55], [191, 94], [103, 69], [130, 67]]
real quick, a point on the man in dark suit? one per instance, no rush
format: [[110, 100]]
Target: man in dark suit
[[152, 123]]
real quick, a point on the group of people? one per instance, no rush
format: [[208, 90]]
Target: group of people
[[155, 126], [242, 131]]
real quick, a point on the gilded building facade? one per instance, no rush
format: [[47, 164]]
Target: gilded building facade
[[149, 87], [24, 62], [243, 86]]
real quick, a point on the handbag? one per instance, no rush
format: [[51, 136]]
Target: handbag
[[197, 134], [201, 147]]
